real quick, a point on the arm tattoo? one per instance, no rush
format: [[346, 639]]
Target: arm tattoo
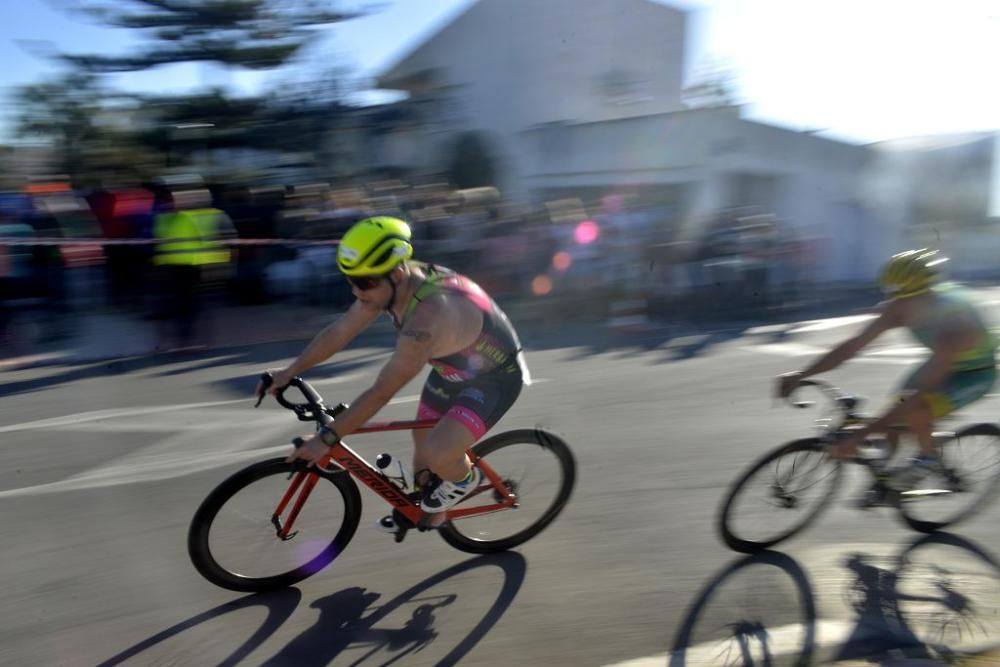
[[418, 336]]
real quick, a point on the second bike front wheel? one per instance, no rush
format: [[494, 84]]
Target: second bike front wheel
[[233, 540], [539, 468], [778, 496]]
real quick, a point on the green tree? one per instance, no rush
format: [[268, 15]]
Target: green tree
[[251, 34], [89, 128], [62, 112], [472, 163]]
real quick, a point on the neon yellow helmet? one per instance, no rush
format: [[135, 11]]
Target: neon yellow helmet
[[911, 273], [374, 247]]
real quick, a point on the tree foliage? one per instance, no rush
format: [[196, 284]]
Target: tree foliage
[[252, 34], [62, 113]]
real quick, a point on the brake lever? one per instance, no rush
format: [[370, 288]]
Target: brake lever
[[266, 380]]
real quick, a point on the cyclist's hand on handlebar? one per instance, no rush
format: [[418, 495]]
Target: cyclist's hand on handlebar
[[311, 451], [787, 383]]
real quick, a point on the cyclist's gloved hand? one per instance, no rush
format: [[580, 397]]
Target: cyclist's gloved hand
[[787, 383]]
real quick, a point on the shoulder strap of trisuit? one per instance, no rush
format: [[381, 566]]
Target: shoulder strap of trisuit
[[427, 288]]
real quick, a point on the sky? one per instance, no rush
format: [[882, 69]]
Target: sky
[[856, 70]]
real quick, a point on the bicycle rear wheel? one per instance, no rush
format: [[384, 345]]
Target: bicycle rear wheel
[[234, 543], [539, 468], [969, 478], [778, 496]]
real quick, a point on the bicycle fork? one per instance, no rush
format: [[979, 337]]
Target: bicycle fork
[[303, 483]]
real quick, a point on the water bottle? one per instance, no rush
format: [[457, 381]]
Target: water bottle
[[394, 470]]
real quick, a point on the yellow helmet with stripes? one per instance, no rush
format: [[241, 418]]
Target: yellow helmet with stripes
[[912, 272], [374, 247]]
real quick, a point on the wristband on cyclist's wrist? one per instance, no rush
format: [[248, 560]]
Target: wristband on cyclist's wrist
[[328, 436]]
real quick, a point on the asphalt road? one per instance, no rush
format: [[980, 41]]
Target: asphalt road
[[104, 464]]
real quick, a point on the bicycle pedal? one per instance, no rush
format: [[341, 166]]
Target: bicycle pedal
[[403, 525]]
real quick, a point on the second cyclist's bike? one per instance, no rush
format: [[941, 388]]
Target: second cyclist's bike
[[787, 489]]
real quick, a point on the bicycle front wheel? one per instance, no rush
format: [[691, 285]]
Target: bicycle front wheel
[[535, 465], [778, 496], [968, 479], [233, 540]]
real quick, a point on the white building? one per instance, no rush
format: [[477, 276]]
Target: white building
[[585, 97], [941, 191]]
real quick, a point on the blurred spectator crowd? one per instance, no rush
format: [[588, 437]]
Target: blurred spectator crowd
[[129, 249]]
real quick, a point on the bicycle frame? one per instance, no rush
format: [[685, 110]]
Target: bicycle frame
[[347, 460]]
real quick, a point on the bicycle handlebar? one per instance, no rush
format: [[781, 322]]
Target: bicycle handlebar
[[843, 400], [312, 410]]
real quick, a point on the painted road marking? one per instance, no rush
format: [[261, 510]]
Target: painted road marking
[[204, 438], [830, 323], [785, 640]]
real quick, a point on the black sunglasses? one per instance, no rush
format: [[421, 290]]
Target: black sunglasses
[[365, 283]]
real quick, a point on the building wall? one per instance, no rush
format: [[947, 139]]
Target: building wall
[[507, 65], [937, 191], [587, 94], [725, 161], [567, 60]]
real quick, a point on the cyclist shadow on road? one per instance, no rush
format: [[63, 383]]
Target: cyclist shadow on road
[[280, 605], [932, 600], [348, 621]]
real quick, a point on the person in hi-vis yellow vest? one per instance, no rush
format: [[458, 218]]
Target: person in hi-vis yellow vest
[[190, 241]]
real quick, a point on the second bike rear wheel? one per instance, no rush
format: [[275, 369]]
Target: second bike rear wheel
[[969, 478], [778, 496], [234, 543]]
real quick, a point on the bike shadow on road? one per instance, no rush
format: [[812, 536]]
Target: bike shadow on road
[[720, 628], [936, 599], [348, 620], [280, 605]]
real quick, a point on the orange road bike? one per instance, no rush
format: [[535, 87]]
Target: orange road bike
[[256, 532]]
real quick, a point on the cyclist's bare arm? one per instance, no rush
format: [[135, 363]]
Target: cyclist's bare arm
[[332, 339], [413, 350], [888, 318]]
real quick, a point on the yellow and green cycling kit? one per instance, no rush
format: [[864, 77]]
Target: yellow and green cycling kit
[[974, 371]]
